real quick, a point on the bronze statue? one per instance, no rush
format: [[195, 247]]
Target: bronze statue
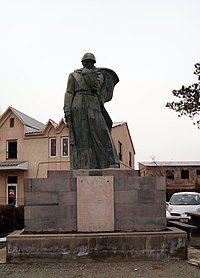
[[88, 88]]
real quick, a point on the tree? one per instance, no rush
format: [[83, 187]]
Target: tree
[[189, 100]]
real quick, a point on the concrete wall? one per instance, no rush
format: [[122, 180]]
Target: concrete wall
[[139, 202], [96, 246]]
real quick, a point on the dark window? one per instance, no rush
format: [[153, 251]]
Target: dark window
[[184, 174], [53, 147], [130, 159], [11, 149], [120, 150], [65, 146], [198, 172], [170, 174], [12, 122]]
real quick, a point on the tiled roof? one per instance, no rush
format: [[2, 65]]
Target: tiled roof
[[11, 163], [14, 165], [31, 125], [170, 163]]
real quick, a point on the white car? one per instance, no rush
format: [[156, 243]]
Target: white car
[[180, 203]]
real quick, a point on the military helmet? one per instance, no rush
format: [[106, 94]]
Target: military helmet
[[88, 56]]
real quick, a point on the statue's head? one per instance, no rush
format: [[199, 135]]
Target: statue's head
[[88, 60]]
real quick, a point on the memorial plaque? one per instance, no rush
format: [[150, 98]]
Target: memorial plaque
[[95, 204]]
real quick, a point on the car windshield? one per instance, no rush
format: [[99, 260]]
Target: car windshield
[[185, 199]]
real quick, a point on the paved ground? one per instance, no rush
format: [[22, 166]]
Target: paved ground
[[139, 269]]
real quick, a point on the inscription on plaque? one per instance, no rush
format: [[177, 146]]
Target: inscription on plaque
[[95, 203]]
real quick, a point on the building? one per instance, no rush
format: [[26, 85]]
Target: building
[[180, 175], [28, 149], [124, 145]]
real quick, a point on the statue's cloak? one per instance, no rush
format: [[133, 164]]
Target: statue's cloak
[[106, 91]]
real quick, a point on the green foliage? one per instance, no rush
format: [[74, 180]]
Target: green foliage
[[11, 218], [189, 99]]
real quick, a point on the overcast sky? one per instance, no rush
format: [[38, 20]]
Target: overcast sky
[[151, 44]]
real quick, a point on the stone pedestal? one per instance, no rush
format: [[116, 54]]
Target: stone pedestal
[[97, 214], [60, 203]]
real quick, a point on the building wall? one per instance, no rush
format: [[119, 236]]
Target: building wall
[[2, 189], [59, 162], [177, 183], [37, 152], [11, 133], [121, 134]]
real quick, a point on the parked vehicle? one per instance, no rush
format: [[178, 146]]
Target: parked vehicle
[[180, 203]]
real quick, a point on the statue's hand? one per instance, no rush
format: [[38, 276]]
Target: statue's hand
[[85, 71], [67, 117]]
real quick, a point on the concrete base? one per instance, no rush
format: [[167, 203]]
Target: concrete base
[[96, 246]]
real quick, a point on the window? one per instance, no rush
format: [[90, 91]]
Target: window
[[11, 149], [130, 159], [198, 172], [52, 146], [185, 199], [170, 174], [12, 122], [12, 179], [120, 150], [184, 174], [64, 146]]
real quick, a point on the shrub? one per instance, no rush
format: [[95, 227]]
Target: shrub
[[11, 218]]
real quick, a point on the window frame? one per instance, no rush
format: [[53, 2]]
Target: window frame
[[62, 146], [184, 176], [198, 172], [9, 151], [169, 174], [12, 122], [52, 152]]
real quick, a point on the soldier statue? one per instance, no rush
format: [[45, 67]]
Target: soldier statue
[[88, 88]]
